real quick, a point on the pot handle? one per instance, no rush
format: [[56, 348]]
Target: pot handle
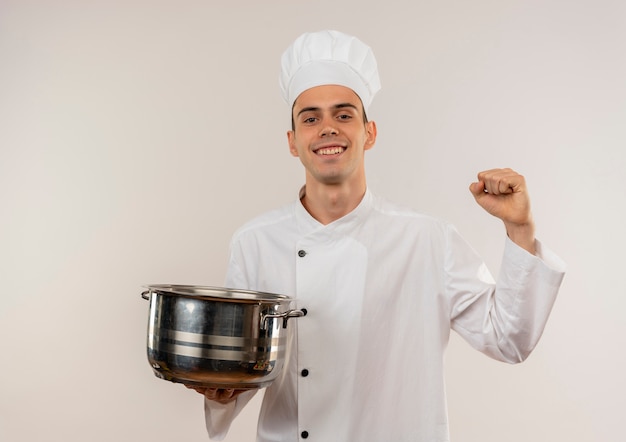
[[285, 316], [146, 295]]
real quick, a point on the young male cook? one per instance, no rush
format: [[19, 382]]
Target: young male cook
[[383, 285]]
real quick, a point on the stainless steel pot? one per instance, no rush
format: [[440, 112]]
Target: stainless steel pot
[[217, 337]]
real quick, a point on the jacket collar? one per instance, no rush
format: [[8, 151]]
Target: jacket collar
[[309, 225]]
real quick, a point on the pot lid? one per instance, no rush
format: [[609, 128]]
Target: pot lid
[[217, 293]]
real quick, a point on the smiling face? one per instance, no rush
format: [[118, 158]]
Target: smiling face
[[330, 136]]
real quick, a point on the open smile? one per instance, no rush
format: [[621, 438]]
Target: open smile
[[334, 149]]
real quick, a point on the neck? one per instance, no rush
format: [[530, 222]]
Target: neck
[[327, 203]]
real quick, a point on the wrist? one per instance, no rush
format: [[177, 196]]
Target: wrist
[[523, 235]]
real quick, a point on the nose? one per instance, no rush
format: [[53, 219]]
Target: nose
[[328, 128]]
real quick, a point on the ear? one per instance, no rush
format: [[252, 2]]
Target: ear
[[371, 133], [291, 139]]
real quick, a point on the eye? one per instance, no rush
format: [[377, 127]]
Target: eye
[[344, 117], [308, 120]]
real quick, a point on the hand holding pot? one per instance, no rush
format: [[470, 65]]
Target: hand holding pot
[[221, 395]]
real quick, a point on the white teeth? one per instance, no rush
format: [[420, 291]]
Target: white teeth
[[330, 151]]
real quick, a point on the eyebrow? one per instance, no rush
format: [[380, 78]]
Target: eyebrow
[[335, 107]]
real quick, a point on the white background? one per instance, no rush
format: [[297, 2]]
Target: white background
[[135, 137]]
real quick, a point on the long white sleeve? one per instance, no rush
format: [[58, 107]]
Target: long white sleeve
[[219, 417], [506, 321]]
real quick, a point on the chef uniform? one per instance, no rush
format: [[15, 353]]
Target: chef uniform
[[382, 287]]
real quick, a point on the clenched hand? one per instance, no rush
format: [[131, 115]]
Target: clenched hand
[[503, 194]]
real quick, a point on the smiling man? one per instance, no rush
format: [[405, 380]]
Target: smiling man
[[383, 285], [330, 137]]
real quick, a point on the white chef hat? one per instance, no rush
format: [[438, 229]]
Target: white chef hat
[[328, 57]]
